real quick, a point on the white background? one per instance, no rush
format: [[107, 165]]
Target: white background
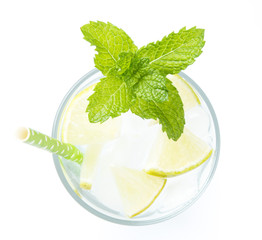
[[42, 54]]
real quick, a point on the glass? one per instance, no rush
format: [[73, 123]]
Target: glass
[[187, 187]]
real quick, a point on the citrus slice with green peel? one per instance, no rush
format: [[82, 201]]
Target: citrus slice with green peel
[[89, 164], [137, 189], [78, 130], [187, 94], [170, 158]]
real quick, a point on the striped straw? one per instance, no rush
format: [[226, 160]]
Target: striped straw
[[37, 139]]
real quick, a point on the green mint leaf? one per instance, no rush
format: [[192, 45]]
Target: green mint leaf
[[138, 68], [123, 63], [175, 51], [152, 86], [111, 97], [170, 113], [110, 41]]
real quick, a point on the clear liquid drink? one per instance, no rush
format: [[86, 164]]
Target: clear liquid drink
[[131, 147]]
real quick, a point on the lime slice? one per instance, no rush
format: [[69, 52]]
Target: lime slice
[[187, 94], [78, 130], [89, 164], [170, 158], [138, 190]]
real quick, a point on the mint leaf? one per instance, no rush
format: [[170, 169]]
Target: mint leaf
[[124, 61], [138, 68], [152, 86], [170, 113], [110, 41], [122, 64], [174, 52], [111, 97]]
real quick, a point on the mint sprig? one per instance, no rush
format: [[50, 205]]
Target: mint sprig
[[136, 79]]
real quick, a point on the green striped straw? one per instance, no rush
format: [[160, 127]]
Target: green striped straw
[[40, 140]]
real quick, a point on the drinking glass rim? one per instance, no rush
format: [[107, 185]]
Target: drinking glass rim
[[130, 222]]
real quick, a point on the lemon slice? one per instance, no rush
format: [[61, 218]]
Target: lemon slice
[[187, 94], [78, 130], [170, 158], [138, 190]]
